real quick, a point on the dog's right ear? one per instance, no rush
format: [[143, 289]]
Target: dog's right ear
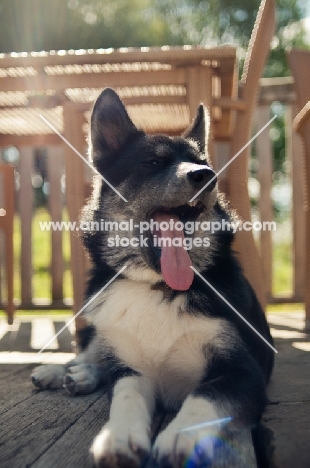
[[111, 127], [200, 128]]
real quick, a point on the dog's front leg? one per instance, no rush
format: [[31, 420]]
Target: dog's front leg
[[125, 440], [232, 391], [198, 437]]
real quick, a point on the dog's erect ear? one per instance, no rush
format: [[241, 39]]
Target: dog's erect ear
[[111, 126], [199, 129]]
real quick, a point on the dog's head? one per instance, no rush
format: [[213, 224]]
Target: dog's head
[[158, 176]]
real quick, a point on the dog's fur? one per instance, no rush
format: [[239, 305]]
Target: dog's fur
[[153, 344]]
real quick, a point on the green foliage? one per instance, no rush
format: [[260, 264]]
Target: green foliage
[[282, 268], [231, 21], [34, 25]]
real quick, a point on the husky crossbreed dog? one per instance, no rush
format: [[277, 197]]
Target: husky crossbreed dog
[[162, 334]]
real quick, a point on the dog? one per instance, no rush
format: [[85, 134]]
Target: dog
[[161, 330]]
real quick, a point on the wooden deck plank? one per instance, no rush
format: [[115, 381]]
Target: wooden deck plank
[[17, 338], [39, 339], [23, 337], [17, 388], [20, 337], [7, 341], [52, 429], [11, 369], [65, 338], [30, 428], [288, 424], [72, 448], [285, 423]]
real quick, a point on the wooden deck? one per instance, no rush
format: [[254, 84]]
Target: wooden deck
[[53, 429]]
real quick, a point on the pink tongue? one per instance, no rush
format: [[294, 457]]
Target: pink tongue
[[175, 261]]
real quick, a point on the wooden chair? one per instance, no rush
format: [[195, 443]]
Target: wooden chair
[[199, 84], [6, 226], [299, 61], [149, 101], [255, 60]]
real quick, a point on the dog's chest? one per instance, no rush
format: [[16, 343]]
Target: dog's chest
[[153, 335]]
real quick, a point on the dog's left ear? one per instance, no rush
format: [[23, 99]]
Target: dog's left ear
[[199, 129]]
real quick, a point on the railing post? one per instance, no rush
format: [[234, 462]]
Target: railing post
[[55, 166], [26, 212]]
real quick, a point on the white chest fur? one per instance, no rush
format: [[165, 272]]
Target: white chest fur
[[152, 335]]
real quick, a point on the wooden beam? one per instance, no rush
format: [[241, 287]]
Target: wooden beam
[[29, 140], [229, 103], [128, 100], [43, 82], [276, 89], [172, 55], [223, 126]]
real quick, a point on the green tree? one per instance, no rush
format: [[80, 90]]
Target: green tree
[[215, 22], [34, 25]]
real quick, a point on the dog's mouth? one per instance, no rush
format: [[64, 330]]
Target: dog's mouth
[[190, 211], [168, 242]]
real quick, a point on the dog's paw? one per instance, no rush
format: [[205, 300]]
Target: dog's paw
[[120, 446], [48, 377], [174, 449], [81, 379], [204, 448]]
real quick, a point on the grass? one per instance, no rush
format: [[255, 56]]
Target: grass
[[41, 258], [282, 268], [41, 281], [285, 307]]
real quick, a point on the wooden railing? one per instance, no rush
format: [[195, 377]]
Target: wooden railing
[[272, 91]]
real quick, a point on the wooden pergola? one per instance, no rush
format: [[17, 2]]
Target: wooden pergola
[[161, 87]]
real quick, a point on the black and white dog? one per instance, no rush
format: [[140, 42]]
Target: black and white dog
[[159, 334]]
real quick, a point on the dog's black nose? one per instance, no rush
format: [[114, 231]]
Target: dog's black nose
[[200, 177]]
